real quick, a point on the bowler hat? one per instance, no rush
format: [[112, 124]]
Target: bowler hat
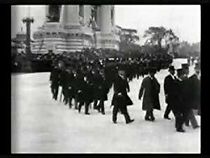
[[171, 67], [179, 71], [185, 66]]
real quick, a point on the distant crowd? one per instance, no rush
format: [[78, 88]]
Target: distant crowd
[[44, 62]]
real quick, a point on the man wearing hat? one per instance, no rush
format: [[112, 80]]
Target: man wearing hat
[[187, 97], [194, 94], [176, 99], [169, 88], [185, 69], [120, 98], [195, 79], [151, 89], [70, 86]]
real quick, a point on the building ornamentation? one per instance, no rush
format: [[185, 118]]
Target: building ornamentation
[[72, 28]]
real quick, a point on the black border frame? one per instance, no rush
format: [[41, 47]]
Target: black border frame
[[5, 9]]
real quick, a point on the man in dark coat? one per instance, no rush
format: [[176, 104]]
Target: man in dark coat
[[195, 88], [70, 80], [96, 83], [64, 84], [191, 97], [86, 91], [151, 89], [176, 101], [102, 91], [55, 79], [120, 98], [169, 90], [78, 87]]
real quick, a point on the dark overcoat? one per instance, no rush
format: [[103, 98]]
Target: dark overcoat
[[150, 89], [87, 92], [71, 90], [170, 89], [121, 86], [195, 92], [96, 83], [79, 86], [177, 97], [101, 89], [186, 93], [55, 77]]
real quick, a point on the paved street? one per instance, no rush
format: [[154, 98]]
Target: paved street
[[42, 125]]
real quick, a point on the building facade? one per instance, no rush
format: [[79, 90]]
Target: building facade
[[72, 28]]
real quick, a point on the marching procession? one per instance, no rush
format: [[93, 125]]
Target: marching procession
[[86, 82]]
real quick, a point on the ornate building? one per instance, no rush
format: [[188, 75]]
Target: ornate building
[[74, 27]]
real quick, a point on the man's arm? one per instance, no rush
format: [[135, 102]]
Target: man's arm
[[142, 89]]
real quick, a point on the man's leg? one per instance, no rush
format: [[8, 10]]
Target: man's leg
[[114, 114], [52, 91], [65, 93], [80, 106], [167, 111], [101, 106], [147, 115], [76, 102], [87, 103], [125, 113], [186, 117], [151, 115], [192, 119], [179, 119], [56, 92], [95, 104], [70, 100]]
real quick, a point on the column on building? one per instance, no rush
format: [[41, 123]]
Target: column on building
[[113, 16], [69, 15], [46, 12], [87, 14], [98, 17], [106, 16]]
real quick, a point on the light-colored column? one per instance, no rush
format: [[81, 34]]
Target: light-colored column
[[105, 19], [113, 20], [46, 12], [69, 15], [87, 14], [98, 17]]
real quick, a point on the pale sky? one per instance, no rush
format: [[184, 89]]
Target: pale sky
[[184, 20]]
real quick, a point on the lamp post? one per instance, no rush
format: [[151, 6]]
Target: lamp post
[[28, 22]]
